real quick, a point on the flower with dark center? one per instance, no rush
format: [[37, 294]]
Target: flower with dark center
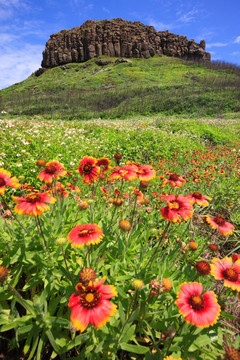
[[145, 173], [177, 207], [53, 169], [228, 270], [174, 180], [89, 169], [201, 310], [197, 198], [127, 172], [218, 222], [33, 204], [7, 181], [85, 234], [104, 164], [91, 305]]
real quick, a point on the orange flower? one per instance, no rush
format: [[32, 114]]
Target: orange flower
[[85, 234], [228, 270], [91, 305], [33, 204], [53, 169], [218, 222], [145, 173], [6, 180], [104, 164], [177, 207], [127, 172], [175, 181], [197, 198], [89, 169], [197, 309]]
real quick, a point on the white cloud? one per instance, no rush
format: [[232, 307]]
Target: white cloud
[[17, 64], [106, 10], [237, 40], [188, 17], [160, 26], [217, 44], [235, 53]]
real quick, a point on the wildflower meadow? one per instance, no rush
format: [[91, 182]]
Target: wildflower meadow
[[119, 239]]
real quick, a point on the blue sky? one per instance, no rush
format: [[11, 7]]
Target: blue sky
[[26, 25]]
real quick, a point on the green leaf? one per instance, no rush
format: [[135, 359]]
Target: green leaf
[[129, 334], [121, 314], [136, 349], [227, 316]]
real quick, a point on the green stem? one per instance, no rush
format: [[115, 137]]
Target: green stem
[[22, 301], [41, 232]]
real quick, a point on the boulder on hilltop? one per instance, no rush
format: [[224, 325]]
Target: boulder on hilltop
[[117, 38]]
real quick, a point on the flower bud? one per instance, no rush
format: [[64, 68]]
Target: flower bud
[[166, 284], [125, 225], [203, 268], [213, 247], [3, 273], [41, 163], [193, 245], [155, 284], [86, 275], [117, 202], [232, 353], [83, 205], [61, 241], [138, 284]]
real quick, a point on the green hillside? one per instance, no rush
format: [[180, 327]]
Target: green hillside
[[141, 86]]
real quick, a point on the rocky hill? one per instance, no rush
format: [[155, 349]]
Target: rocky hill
[[117, 38]]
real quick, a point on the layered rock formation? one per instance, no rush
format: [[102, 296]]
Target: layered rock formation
[[117, 38]]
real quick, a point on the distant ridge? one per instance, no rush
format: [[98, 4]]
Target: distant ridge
[[118, 38]]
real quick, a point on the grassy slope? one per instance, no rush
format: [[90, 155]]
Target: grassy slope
[[145, 86]]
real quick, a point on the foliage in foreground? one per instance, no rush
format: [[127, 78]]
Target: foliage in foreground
[[143, 242]]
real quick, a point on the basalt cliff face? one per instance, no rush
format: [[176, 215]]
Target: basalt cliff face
[[117, 38]]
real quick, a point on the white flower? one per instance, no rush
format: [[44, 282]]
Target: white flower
[[1, 163], [72, 163], [18, 164]]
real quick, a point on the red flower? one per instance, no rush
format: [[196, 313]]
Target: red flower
[[127, 172], [177, 207], [146, 173], [197, 309], [218, 222], [228, 270], [53, 169], [85, 234], [198, 198], [6, 180], [92, 305], [235, 257], [104, 164], [89, 169], [203, 268], [60, 191], [33, 204], [175, 181]]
